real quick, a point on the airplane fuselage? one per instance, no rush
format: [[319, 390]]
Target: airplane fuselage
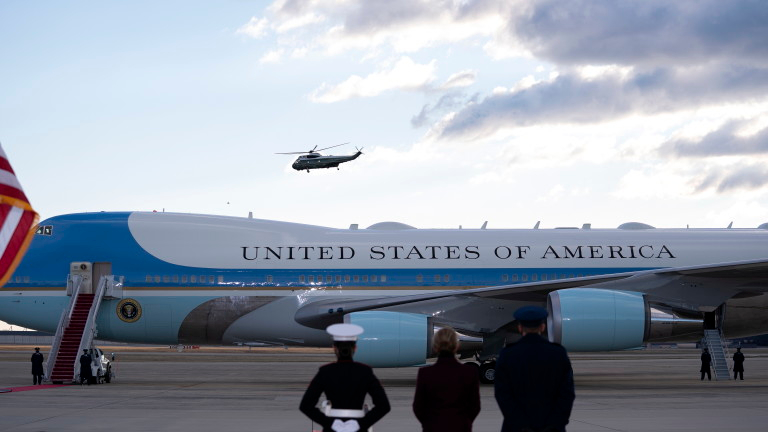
[[224, 280]]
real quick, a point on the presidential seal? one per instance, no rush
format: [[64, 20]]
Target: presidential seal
[[129, 310]]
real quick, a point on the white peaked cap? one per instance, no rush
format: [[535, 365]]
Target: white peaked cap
[[344, 332]]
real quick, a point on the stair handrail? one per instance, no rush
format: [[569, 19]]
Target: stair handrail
[[66, 315], [89, 331], [726, 352], [715, 354]]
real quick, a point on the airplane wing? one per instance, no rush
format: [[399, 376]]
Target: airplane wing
[[695, 288]]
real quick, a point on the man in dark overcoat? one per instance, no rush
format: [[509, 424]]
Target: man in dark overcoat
[[534, 380], [85, 367], [345, 384], [37, 367], [738, 364], [706, 361]]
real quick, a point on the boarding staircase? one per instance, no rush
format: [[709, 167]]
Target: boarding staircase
[[716, 346], [76, 329]]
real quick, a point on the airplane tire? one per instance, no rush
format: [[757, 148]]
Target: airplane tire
[[488, 372]]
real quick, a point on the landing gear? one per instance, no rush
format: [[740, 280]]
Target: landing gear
[[488, 372]]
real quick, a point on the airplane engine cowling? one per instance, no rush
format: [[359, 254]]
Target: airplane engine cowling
[[392, 339], [588, 319]]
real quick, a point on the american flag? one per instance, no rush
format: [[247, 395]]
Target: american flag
[[17, 220]]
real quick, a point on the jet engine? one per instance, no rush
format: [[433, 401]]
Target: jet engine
[[589, 319], [392, 339]]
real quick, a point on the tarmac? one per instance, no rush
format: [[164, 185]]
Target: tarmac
[[160, 389]]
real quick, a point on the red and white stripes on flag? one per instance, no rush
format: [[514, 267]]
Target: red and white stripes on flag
[[17, 220]]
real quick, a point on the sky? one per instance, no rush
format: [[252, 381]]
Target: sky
[[506, 111]]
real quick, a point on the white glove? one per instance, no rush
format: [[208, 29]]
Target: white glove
[[345, 426]]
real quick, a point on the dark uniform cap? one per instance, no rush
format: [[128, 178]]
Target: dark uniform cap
[[531, 316]]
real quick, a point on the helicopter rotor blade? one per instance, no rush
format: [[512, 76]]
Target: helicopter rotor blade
[[294, 153], [337, 145]]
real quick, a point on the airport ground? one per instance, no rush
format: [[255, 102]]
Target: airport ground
[[160, 389]]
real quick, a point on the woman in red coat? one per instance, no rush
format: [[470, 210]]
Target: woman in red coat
[[447, 393]]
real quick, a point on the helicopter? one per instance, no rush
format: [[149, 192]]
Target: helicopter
[[312, 159]]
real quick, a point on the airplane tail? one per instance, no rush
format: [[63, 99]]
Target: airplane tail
[[18, 220]]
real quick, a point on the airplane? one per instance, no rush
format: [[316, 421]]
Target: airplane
[[311, 159], [193, 279]]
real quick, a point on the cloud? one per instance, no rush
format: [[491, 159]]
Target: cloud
[[745, 177], [404, 75], [573, 98], [460, 79], [724, 141], [446, 103], [651, 32], [255, 28]]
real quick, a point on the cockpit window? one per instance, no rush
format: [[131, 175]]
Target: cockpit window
[[45, 230]]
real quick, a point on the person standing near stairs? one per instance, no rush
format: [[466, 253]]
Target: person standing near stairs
[[85, 367], [738, 364], [37, 367], [706, 361]]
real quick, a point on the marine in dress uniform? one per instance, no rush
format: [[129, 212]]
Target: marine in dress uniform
[[534, 380], [345, 384], [738, 364], [37, 367]]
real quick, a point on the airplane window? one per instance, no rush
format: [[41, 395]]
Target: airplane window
[[419, 278], [26, 279], [505, 278], [269, 278], [525, 277], [183, 278], [515, 277], [301, 278], [553, 276], [562, 276], [544, 276], [374, 278], [18, 278], [437, 278], [534, 277], [446, 278], [311, 278], [175, 278], [157, 279], [346, 278], [148, 278], [221, 279], [202, 279], [580, 275], [327, 278], [365, 278], [193, 279], [210, 279], [383, 278], [338, 278], [356, 278], [570, 275]]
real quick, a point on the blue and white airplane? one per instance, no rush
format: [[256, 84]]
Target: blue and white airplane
[[198, 279]]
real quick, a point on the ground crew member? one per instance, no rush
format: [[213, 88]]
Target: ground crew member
[[345, 384], [534, 379], [738, 364], [37, 367], [85, 367]]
